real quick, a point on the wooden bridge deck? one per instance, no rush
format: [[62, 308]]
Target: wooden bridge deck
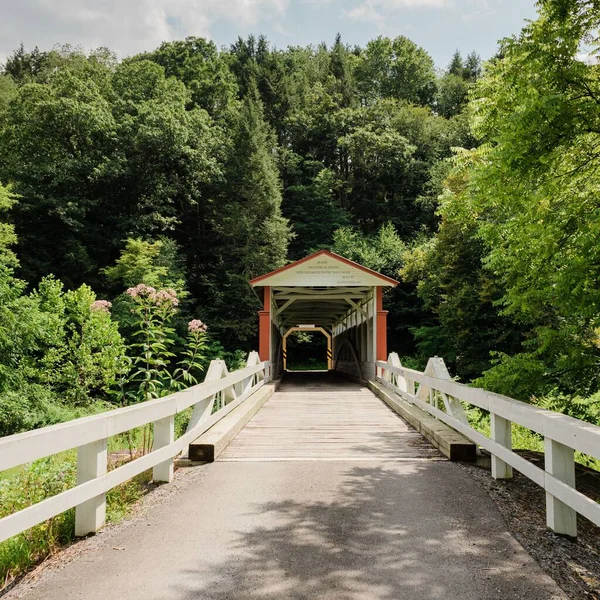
[[320, 416]]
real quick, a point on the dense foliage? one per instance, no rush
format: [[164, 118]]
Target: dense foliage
[[190, 169], [138, 195], [512, 273]]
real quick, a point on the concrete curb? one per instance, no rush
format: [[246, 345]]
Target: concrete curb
[[448, 441], [213, 441]]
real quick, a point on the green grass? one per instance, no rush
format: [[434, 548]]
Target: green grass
[[307, 365], [40, 480]]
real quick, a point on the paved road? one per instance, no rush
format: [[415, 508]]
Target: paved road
[[364, 527]]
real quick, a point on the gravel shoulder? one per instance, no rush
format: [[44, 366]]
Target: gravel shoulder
[[574, 565]]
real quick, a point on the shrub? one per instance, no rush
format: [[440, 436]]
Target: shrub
[[32, 484]]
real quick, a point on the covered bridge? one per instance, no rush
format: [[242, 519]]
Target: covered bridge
[[333, 295]]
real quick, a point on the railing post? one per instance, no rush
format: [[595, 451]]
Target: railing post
[[394, 379], [164, 435], [248, 383], [436, 367], [501, 432], [203, 409], [560, 462], [91, 463]]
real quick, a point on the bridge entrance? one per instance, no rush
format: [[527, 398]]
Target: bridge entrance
[[307, 348], [331, 294]]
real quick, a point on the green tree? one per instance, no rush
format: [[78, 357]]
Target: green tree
[[463, 324], [533, 188], [310, 205], [157, 264], [84, 358], [451, 97], [341, 68], [472, 69], [98, 159], [23, 66], [8, 90], [198, 64], [456, 66], [54, 140], [396, 69], [251, 235]]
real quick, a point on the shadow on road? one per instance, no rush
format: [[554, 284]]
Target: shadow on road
[[385, 533]]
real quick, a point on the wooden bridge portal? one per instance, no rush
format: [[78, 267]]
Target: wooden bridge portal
[[326, 292]]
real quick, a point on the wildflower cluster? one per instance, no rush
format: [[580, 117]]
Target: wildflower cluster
[[192, 356], [101, 306], [196, 325], [168, 297], [140, 290], [143, 292]]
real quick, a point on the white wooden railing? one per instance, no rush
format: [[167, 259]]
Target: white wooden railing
[[435, 392], [220, 390]]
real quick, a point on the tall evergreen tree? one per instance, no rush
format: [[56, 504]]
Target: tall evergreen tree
[[342, 72], [472, 68], [252, 236], [456, 66]]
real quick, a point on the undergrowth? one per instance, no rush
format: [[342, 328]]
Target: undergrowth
[[40, 480], [311, 364]]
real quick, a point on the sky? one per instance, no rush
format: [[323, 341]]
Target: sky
[[132, 26]]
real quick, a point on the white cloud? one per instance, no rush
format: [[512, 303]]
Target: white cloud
[[127, 26], [377, 11], [367, 13]]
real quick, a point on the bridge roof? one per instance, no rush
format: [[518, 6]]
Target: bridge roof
[[323, 268]]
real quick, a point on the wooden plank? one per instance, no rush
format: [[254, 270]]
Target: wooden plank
[[327, 418], [211, 443], [451, 443]]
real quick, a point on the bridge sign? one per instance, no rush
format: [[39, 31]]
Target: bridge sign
[[323, 268]]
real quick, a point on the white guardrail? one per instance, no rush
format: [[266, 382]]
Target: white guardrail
[[220, 389], [563, 435]]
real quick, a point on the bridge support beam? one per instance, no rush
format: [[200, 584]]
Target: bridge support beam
[[501, 433], [264, 327], [91, 463], [560, 462], [381, 331]]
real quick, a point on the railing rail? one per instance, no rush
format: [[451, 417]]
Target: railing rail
[[89, 435], [562, 435]]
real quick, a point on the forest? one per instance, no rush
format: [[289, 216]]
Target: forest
[[139, 195]]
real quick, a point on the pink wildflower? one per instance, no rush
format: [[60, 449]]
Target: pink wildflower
[[197, 325], [100, 306], [141, 289], [167, 296]]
